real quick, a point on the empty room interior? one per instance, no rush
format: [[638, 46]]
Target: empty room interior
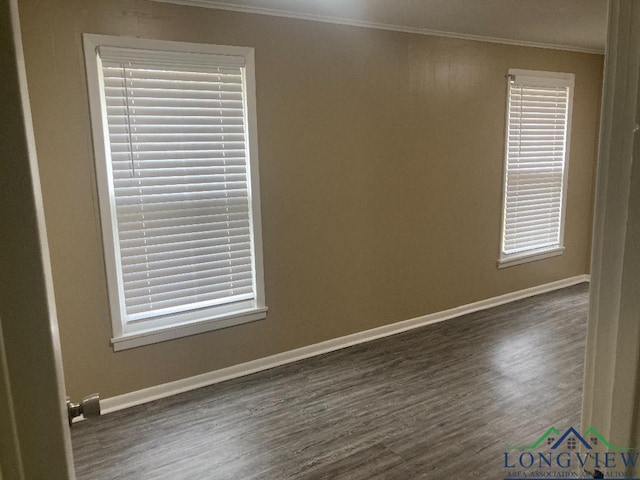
[[325, 239]]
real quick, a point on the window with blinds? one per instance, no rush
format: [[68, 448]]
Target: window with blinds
[[176, 164], [538, 130]]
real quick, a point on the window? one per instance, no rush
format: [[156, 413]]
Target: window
[[537, 145], [174, 129]]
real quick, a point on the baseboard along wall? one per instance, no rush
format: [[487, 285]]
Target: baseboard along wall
[[150, 394]]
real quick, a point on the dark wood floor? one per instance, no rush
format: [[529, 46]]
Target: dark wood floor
[[443, 401]]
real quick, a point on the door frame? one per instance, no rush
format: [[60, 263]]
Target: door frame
[[612, 361], [36, 442]]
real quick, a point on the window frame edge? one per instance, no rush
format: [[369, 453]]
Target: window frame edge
[[162, 334], [514, 259]]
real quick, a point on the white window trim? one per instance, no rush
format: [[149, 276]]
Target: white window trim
[[124, 338], [543, 79], [530, 256]]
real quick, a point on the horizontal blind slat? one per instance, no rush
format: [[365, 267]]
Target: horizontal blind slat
[[157, 260], [183, 246], [222, 283], [197, 300], [182, 222], [178, 239], [151, 234], [220, 278], [185, 260], [182, 205]]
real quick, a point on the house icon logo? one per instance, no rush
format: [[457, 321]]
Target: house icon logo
[[571, 440], [571, 453]]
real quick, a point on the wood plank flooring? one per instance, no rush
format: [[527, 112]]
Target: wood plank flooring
[[443, 401]]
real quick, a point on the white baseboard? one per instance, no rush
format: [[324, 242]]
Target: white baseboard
[[179, 386]]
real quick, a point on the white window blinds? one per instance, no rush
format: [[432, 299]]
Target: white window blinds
[[177, 158], [536, 153]]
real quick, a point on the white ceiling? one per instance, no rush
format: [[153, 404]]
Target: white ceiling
[[569, 24]]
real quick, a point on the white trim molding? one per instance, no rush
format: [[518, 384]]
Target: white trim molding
[[529, 257], [612, 366], [150, 394], [375, 25]]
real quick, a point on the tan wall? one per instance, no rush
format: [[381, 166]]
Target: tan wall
[[381, 160]]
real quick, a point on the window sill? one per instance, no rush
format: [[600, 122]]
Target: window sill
[[533, 256], [162, 334]]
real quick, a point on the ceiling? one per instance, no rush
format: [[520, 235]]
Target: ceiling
[[568, 24]]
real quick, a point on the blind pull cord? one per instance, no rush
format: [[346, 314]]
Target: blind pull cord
[[129, 122]]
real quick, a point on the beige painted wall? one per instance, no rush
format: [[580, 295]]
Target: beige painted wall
[[381, 171]]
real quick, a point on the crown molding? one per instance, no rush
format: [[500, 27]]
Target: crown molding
[[375, 25]]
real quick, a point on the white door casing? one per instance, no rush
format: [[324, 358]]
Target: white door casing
[[610, 398], [35, 439]]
